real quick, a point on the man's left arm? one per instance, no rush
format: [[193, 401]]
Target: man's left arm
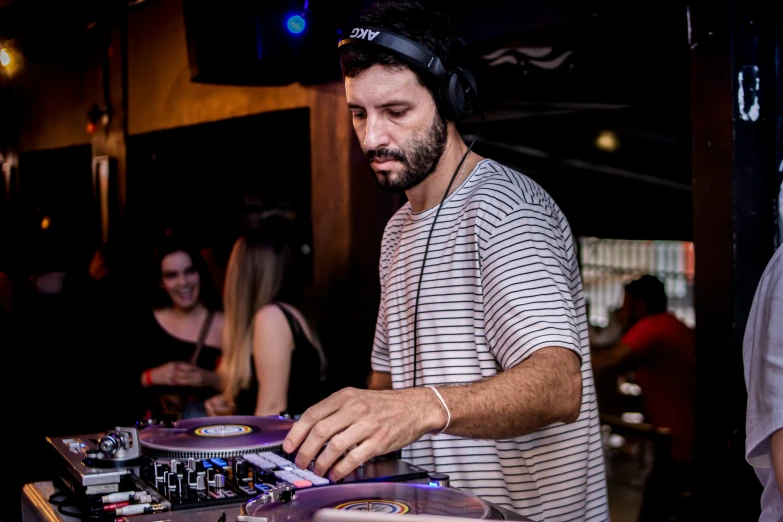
[[532, 330], [352, 426], [544, 389]]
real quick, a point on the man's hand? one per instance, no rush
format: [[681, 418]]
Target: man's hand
[[356, 425]]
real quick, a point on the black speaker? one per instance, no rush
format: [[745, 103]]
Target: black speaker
[[263, 42]]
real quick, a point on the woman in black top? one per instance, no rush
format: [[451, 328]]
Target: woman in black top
[[179, 339], [272, 360]]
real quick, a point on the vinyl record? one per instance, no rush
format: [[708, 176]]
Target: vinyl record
[[379, 497], [216, 437]]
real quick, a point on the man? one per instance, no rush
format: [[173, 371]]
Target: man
[[763, 359], [508, 409], [659, 349]]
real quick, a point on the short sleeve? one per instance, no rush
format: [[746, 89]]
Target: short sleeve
[[526, 288], [763, 359]]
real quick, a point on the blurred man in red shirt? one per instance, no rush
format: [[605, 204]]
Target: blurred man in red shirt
[[659, 349]]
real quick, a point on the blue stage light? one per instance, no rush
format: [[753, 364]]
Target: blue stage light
[[296, 24]]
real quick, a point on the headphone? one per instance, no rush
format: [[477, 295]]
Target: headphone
[[456, 96]]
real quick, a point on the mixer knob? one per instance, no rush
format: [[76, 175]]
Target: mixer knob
[[173, 482], [200, 486], [109, 444], [210, 475], [220, 481], [176, 467], [192, 463], [192, 477], [199, 466]]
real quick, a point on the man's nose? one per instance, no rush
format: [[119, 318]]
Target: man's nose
[[376, 134]]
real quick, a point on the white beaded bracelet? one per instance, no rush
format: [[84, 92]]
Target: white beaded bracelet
[[443, 402]]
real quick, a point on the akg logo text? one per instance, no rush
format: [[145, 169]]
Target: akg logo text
[[364, 34]]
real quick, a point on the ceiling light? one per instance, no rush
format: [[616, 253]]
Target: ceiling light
[[607, 141], [6, 58]]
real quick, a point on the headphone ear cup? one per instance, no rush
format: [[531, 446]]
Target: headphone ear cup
[[458, 94]]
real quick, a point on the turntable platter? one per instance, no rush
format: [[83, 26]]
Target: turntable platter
[[378, 497], [216, 437]]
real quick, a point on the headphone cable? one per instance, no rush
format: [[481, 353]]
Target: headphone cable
[[427, 245]]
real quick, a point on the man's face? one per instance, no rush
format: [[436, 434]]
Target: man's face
[[398, 126]]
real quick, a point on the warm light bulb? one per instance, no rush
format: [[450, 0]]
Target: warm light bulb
[[607, 140], [45, 222], [5, 57]]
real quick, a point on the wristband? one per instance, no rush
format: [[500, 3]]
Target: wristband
[[443, 402]]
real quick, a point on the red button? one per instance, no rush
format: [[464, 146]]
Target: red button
[[302, 483]]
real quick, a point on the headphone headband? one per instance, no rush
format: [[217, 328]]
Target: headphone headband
[[456, 92], [415, 54]]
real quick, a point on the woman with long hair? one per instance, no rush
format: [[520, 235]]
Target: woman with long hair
[[272, 359], [181, 338]]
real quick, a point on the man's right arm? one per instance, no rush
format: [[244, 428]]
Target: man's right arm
[[380, 381]]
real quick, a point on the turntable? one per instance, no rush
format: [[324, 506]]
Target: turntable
[[373, 503], [216, 437]]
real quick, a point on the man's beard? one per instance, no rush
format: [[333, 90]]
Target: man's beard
[[419, 157]]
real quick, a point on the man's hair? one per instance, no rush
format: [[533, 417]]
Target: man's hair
[[424, 25], [650, 290]]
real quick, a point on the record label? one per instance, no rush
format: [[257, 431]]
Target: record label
[[222, 430], [389, 507]]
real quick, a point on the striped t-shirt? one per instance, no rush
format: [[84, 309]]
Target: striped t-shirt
[[501, 281]]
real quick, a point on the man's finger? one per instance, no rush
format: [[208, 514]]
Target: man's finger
[[360, 454], [301, 428], [340, 444], [321, 433]]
